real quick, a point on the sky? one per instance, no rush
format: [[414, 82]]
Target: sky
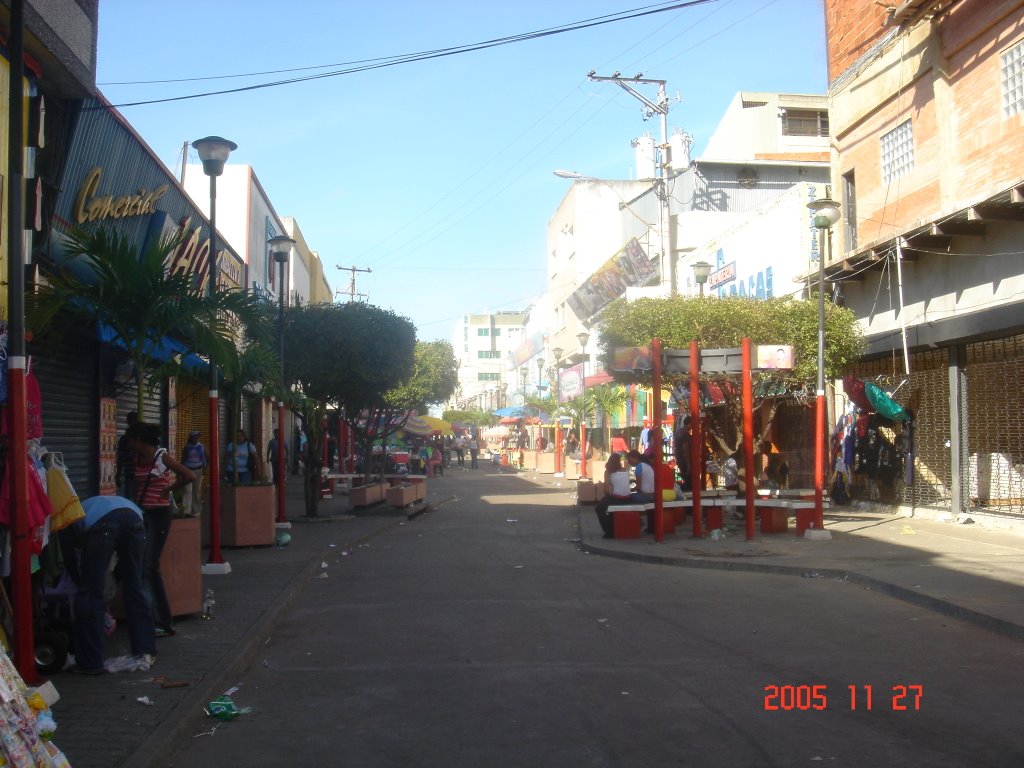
[[437, 174]]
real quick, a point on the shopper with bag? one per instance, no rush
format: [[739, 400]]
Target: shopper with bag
[[241, 460], [157, 476]]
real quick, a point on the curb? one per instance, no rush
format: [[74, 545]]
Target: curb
[[936, 605], [177, 727]]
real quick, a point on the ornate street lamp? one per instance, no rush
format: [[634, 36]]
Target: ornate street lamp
[[280, 246], [701, 272], [826, 213], [214, 152]]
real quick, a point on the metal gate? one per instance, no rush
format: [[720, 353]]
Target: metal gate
[[926, 392], [995, 425]]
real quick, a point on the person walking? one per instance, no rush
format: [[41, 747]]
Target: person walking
[[154, 468], [272, 454], [474, 452], [112, 525], [460, 450], [241, 455], [193, 456]]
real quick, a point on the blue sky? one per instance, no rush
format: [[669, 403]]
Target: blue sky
[[437, 174]]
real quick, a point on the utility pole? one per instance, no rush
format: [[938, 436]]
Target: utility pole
[[651, 108], [352, 283]]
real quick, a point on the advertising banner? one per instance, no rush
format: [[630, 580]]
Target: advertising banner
[[628, 268]]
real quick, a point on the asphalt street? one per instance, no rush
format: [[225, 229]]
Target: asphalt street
[[479, 634]]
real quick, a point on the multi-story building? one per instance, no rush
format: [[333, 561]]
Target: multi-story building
[[927, 104], [484, 344], [740, 207]]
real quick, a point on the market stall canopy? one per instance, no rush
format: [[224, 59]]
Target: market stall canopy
[[495, 433], [440, 426], [416, 425], [516, 412]]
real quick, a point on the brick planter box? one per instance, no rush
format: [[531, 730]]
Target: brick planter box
[[401, 495], [365, 495], [247, 515]]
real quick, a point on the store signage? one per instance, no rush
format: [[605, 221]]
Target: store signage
[[91, 206], [723, 275], [193, 257]]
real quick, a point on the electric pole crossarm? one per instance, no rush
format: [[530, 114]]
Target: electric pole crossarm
[[352, 282], [661, 109]]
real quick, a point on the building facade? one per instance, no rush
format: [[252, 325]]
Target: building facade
[[484, 345], [926, 105]]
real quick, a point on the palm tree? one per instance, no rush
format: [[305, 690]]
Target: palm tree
[[608, 399], [143, 306], [579, 409]]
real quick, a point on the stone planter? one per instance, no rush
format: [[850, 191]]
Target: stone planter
[[365, 495], [401, 495], [247, 515], [181, 565]]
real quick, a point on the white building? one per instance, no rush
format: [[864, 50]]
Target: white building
[[484, 345], [741, 206]]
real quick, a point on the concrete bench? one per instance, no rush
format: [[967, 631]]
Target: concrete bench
[[626, 519]]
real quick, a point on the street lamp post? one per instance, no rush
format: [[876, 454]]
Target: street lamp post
[[583, 337], [826, 213], [280, 246], [540, 371], [214, 152], [701, 272]]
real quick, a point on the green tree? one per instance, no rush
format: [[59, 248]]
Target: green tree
[[350, 356], [608, 399], [132, 294], [434, 379], [723, 323]]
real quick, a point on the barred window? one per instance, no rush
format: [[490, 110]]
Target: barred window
[[897, 152], [487, 354], [488, 377], [1012, 69], [804, 122], [483, 331]]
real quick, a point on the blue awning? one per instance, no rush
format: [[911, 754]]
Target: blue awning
[[161, 350]]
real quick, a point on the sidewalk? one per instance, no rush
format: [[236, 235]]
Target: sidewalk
[[100, 721], [967, 572]]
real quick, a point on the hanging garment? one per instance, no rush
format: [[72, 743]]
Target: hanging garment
[[39, 507], [854, 389], [67, 508]]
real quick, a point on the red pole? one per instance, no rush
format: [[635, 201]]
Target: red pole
[[819, 461], [215, 554], [696, 437], [558, 448], [655, 438], [21, 546], [583, 450], [748, 437], [281, 518]]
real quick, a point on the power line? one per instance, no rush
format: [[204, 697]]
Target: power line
[[371, 64], [352, 294]]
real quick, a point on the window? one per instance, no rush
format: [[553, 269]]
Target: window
[[496, 332], [850, 209], [486, 354], [488, 377], [1011, 64], [897, 152], [483, 331], [804, 122]]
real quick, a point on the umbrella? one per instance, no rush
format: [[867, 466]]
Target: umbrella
[[440, 426], [417, 425], [495, 432]]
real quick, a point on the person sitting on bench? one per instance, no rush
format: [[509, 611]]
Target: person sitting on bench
[[616, 491], [644, 490]]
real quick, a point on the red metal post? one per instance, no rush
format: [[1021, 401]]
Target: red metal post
[[656, 437], [558, 448], [281, 469], [696, 438], [583, 450], [748, 437], [819, 461], [215, 554]]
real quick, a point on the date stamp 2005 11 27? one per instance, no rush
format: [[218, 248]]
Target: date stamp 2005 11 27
[[786, 698]]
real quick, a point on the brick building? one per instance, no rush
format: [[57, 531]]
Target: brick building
[[926, 111]]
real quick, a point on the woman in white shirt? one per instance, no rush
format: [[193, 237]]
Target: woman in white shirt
[[616, 489]]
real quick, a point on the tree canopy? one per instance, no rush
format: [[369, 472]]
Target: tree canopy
[[722, 324]]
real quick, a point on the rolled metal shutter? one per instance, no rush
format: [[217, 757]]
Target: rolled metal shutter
[[69, 387]]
